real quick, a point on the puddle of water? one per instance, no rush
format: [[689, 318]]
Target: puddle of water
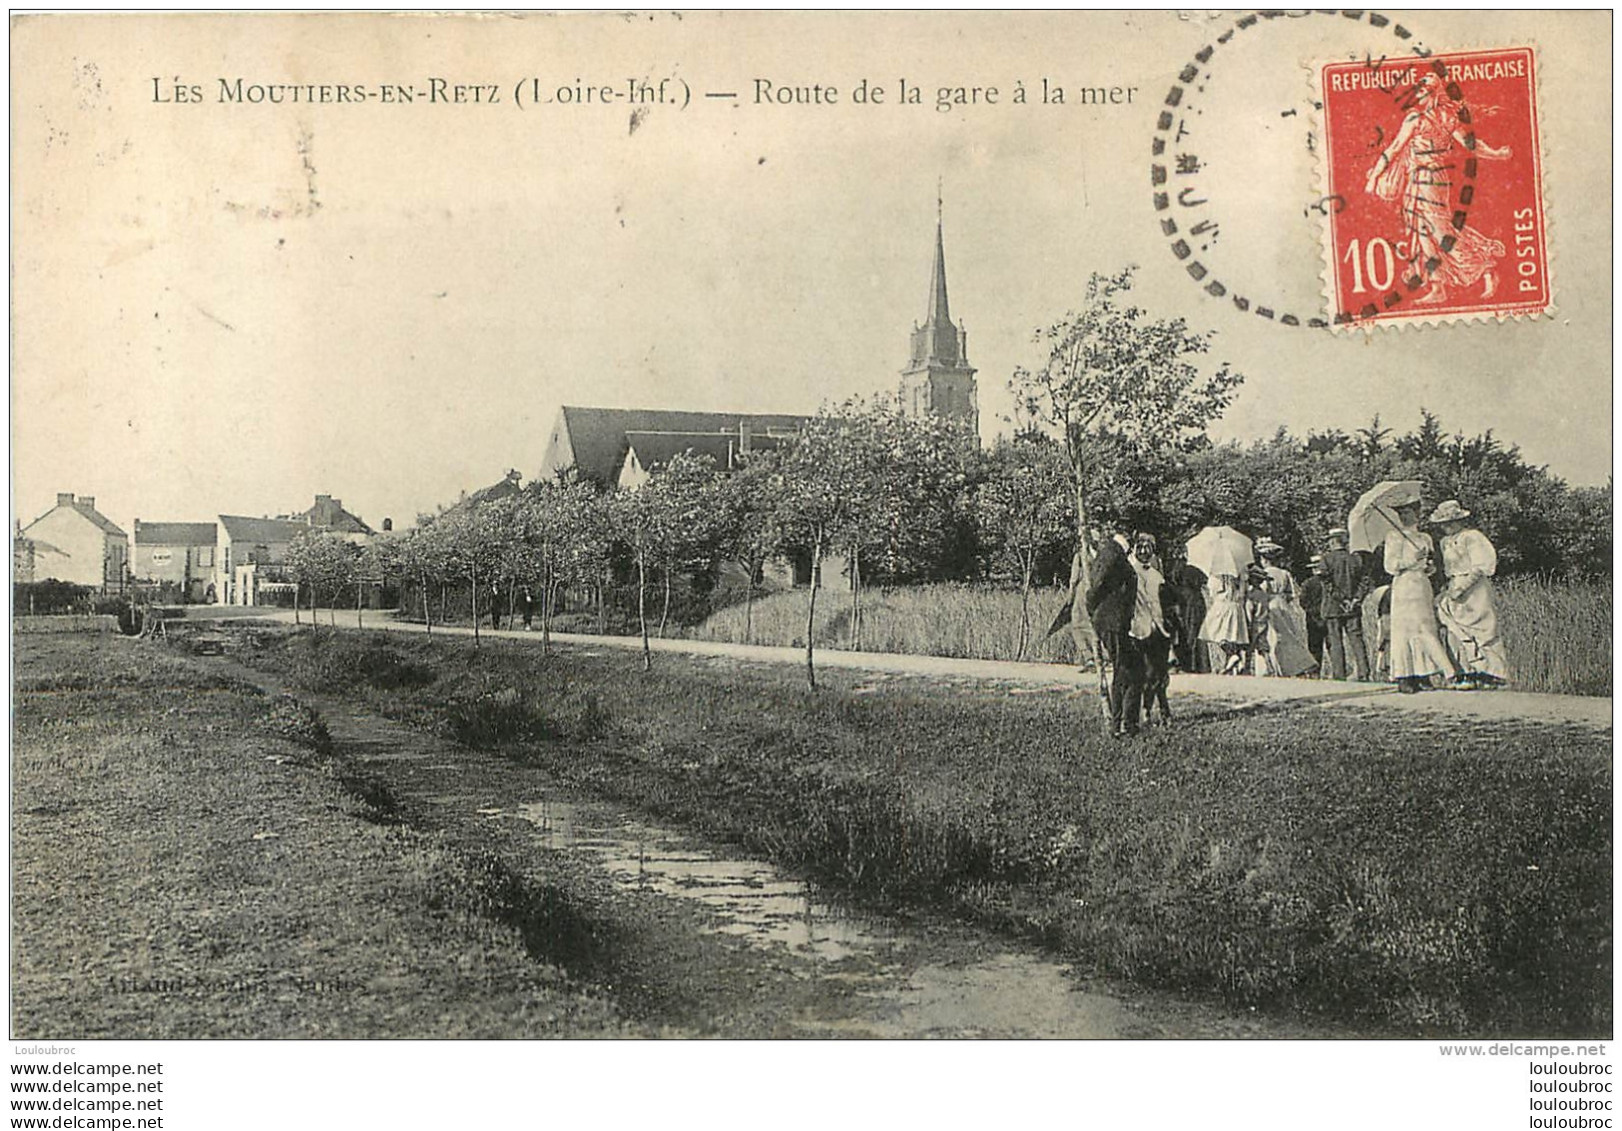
[[904, 994], [753, 898]]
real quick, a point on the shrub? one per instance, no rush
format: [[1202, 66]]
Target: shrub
[[45, 598]]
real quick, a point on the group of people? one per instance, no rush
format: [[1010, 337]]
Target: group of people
[[1249, 619]]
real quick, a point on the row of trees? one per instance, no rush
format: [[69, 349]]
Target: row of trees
[[1112, 428]]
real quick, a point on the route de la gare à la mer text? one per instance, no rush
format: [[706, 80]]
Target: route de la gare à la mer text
[[666, 90]]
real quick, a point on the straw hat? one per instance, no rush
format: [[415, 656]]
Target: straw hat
[[1449, 511]]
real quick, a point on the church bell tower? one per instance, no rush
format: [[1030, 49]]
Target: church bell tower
[[938, 379]]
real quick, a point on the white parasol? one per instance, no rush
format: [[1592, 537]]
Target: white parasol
[[1220, 550], [1374, 514]]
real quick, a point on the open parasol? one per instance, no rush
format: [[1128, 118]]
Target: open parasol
[[1374, 514], [1220, 550]]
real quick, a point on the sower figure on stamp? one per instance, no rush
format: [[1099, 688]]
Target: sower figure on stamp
[[1111, 601], [1414, 168]]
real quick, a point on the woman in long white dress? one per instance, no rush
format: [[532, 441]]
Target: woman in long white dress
[[1416, 650], [1288, 651], [1224, 624], [1466, 609]]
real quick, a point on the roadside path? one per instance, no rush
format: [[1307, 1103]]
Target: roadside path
[[1243, 691]]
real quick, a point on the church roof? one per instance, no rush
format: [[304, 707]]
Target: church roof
[[655, 449], [597, 437], [940, 310], [938, 343]]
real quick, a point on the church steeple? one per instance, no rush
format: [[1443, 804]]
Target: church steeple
[[938, 379], [940, 312]]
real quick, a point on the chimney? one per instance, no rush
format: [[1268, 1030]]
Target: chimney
[[388, 525], [64, 498], [88, 502], [746, 436]]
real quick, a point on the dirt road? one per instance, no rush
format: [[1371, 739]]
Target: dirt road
[[1243, 692]]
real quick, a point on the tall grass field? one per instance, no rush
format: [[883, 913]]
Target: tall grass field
[[1558, 633]]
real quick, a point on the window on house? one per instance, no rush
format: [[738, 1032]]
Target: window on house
[[205, 556]]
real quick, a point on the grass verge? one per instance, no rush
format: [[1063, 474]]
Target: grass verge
[[1432, 876], [191, 861]]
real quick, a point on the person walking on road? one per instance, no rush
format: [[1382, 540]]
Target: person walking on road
[[1111, 601], [1312, 606], [1416, 649], [1465, 608], [1287, 651], [1153, 621], [1342, 609]]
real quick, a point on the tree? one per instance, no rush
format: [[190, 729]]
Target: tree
[[750, 532], [1373, 437], [685, 529], [472, 548], [322, 560], [423, 557], [569, 539], [1115, 374], [1024, 507], [823, 491], [378, 562], [635, 516]]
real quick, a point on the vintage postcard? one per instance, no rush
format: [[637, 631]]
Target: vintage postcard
[[805, 525]]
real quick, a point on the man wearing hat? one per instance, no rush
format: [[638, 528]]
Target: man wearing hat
[[1312, 604], [1341, 608], [1154, 618], [1111, 602], [1465, 610]]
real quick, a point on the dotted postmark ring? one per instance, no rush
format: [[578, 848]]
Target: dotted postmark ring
[[1172, 206]]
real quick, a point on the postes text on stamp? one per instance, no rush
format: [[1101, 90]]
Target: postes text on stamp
[[1435, 170]]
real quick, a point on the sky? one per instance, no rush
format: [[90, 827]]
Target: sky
[[224, 307]]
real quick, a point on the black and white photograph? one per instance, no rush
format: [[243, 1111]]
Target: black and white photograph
[[752, 541]]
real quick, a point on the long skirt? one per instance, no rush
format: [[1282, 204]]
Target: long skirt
[[1471, 623], [1225, 621], [1416, 649], [1289, 651]]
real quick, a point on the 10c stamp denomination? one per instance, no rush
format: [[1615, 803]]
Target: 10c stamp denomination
[[1434, 168]]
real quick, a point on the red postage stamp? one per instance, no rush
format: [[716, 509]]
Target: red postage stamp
[[1434, 193]]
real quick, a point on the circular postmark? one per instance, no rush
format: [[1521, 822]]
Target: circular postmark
[[1252, 165]]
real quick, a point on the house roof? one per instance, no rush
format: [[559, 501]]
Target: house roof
[[510, 485], [174, 533], [597, 436], [241, 528], [38, 545], [329, 514], [105, 524]]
